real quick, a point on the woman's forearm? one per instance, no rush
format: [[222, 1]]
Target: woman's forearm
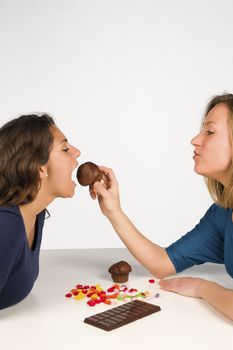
[[150, 255], [218, 297]]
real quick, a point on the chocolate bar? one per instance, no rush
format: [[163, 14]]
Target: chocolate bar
[[122, 315]]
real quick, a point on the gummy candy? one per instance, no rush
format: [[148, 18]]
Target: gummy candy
[[68, 295], [112, 295]]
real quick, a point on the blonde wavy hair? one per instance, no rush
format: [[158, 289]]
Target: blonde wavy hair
[[222, 195]]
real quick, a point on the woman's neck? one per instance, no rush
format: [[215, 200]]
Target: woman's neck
[[32, 209]]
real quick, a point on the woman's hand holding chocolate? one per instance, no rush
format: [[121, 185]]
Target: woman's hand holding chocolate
[[102, 184]]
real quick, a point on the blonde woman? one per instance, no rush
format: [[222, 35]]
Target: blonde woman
[[211, 240]]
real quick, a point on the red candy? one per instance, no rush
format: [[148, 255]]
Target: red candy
[[96, 295], [102, 298], [68, 295], [102, 292], [91, 302]]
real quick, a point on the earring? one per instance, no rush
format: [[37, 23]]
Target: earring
[[46, 175]]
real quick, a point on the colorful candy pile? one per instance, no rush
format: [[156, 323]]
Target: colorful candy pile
[[96, 295]]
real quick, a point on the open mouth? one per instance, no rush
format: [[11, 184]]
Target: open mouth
[[74, 176]]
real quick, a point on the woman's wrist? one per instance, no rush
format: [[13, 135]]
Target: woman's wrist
[[205, 289], [115, 215]]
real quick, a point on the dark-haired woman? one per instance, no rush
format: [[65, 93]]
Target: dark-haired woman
[[212, 239], [36, 165]]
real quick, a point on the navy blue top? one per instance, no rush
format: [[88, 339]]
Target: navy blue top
[[210, 241], [19, 264]]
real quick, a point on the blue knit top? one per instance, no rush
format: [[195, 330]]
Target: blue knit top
[[19, 264]]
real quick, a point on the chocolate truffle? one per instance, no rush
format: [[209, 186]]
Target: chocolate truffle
[[120, 271], [88, 173]]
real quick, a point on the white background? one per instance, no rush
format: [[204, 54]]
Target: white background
[[127, 81]]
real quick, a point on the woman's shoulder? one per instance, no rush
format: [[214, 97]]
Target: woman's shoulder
[[217, 215], [10, 218], [11, 228], [11, 211], [217, 209]]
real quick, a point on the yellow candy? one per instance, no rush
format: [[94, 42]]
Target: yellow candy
[[94, 296], [80, 296]]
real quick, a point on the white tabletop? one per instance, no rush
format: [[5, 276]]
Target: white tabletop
[[48, 320]]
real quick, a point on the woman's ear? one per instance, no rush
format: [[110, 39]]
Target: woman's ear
[[43, 172]]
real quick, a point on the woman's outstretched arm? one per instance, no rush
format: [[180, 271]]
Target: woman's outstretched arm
[[153, 257]]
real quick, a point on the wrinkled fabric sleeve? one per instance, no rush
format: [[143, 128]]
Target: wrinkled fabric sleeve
[[204, 243]]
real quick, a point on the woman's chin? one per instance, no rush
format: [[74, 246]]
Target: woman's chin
[[72, 190], [69, 194], [199, 171]]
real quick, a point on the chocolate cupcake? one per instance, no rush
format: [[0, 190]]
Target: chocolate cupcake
[[88, 173], [120, 271]]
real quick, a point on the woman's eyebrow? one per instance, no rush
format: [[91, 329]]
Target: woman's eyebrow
[[210, 122], [65, 140]]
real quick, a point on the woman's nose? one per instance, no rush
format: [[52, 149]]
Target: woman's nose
[[196, 140], [76, 152]]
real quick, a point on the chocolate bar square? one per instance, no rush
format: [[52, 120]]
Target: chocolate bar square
[[122, 315]]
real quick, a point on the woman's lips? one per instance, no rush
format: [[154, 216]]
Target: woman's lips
[[73, 176], [196, 156]]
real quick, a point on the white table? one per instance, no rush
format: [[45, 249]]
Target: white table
[[48, 320]]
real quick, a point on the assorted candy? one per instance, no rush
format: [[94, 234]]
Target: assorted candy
[[96, 295]]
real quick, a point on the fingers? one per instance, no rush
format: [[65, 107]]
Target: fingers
[[109, 172], [171, 284], [164, 283], [93, 195], [91, 192], [99, 189]]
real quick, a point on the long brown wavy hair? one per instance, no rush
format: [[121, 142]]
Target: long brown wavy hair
[[222, 195], [25, 145]]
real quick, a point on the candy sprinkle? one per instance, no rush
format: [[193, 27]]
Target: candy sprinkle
[[114, 294], [151, 280]]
